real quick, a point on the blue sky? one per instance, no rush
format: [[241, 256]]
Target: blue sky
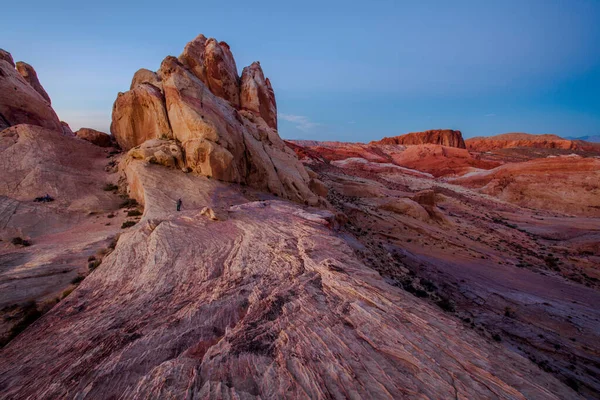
[[342, 70]]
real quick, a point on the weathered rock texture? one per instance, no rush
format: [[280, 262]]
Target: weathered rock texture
[[29, 74], [199, 101], [139, 115], [268, 302], [258, 95], [96, 137], [445, 137], [34, 162], [212, 63], [6, 56], [22, 103]]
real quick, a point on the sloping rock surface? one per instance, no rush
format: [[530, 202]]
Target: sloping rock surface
[[268, 302], [29, 74], [21, 103]]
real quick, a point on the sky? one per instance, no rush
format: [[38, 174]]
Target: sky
[[341, 70]]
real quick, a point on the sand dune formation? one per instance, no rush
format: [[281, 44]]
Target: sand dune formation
[[418, 266]]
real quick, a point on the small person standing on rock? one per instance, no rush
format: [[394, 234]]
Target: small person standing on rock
[[179, 203]]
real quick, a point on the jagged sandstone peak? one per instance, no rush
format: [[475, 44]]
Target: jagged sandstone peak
[[219, 138], [213, 63], [29, 74], [257, 95], [445, 137], [20, 102]]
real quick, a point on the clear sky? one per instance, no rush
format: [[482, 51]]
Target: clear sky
[[341, 70]]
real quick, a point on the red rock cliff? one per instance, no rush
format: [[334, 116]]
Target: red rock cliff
[[445, 137]]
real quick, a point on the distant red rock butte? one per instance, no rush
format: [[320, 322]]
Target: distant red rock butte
[[445, 137]]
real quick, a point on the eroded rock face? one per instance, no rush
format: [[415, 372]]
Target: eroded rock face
[[6, 56], [144, 75], [200, 96], [20, 103], [444, 137], [213, 63], [139, 115], [29, 74], [96, 137], [67, 131], [257, 95]]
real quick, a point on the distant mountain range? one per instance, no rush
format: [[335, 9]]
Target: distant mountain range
[[592, 138]]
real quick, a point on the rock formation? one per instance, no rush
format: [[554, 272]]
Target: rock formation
[[6, 56], [195, 99], [20, 102], [212, 63], [444, 137], [29, 74], [257, 95], [139, 115], [512, 140], [96, 137], [145, 76], [67, 131]]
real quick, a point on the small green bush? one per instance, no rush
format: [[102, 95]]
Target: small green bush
[[446, 304], [109, 187], [128, 203], [127, 224], [134, 213], [17, 241], [94, 264], [77, 279]]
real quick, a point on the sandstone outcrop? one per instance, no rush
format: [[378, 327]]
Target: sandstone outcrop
[[96, 137], [212, 63], [139, 115], [29, 74], [6, 56], [157, 151], [257, 95], [220, 137], [444, 137], [21, 103], [144, 75], [514, 140]]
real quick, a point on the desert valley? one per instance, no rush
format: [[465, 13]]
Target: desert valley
[[423, 266]]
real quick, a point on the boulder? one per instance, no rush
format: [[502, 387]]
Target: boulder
[[212, 63], [257, 95], [29, 74], [139, 115], [96, 137], [158, 151], [20, 103]]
